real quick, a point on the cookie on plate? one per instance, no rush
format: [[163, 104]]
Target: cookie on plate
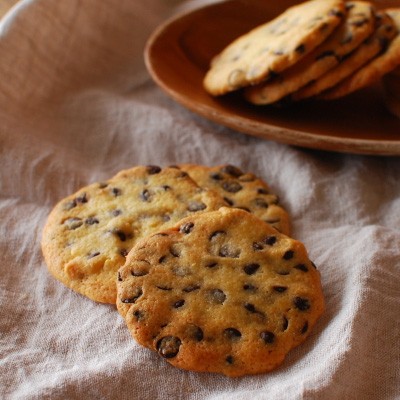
[[242, 190], [356, 27], [385, 31], [89, 234], [220, 292], [272, 47], [373, 70]]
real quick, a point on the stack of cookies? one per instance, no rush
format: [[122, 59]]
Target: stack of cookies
[[198, 261], [322, 49]]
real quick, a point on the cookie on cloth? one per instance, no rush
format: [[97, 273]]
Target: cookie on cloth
[[89, 234], [220, 292], [385, 31], [356, 27], [274, 46], [373, 70], [242, 190]]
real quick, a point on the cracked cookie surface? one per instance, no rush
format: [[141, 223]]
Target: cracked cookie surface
[[220, 292], [89, 234]]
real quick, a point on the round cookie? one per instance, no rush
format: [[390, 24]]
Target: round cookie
[[272, 47], [89, 234], [356, 27], [220, 292], [385, 31], [240, 190], [373, 70]]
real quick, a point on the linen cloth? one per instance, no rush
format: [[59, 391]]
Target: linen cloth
[[76, 106]]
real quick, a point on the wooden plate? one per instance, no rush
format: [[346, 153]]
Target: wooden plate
[[177, 57]]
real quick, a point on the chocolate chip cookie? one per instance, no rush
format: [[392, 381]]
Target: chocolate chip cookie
[[89, 234], [272, 47], [242, 190], [220, 292]]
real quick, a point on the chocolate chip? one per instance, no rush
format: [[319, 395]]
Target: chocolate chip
[[116, 192], [186, 228], [173, 166], [94, 254], [191, 288], [348, 39], [163, 288], [212, 265], [69, 205], [257, 246], [267, 336], [280, 289], [139, 315], [216, 176], [166, 187], [215, 296], [232, 334], [251, 269], [153, 169], [243, 208], [231, 186], [301, 48], [229, 360], [115, 213], [285, 323], [123, 252], [216, 233], [139, 272], [305, 328], [196, 206], [301, 267], [168, 346], [162, 259], [360, 23], [262, 191], [179, 303], [288, 255], [183, 174], [232, 170], [121, 235], [279, 53], [301, 304], [73, 223], [145, 195], [270, 240], [260, 203], [282, 272], [82, 198], [250, 307], [119, 277], [349, 6], [134, 298], [249, 287], [229, 201], [194, 332], [91, 221]]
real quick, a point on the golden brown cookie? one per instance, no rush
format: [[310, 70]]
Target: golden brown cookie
[[385, 31], [220, 292], [356, 27], [242, 190], [373, 70], [272, 47], [89, 234]]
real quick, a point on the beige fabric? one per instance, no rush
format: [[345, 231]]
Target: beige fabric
[[76, 106]]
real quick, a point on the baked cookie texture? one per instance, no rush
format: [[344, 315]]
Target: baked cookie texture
[[89, 234], [356, 27], [220, 292], [377, 43], [242, 190], [373, 70], [273, 47]]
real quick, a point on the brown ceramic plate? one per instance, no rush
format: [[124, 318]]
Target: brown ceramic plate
[[178, 54]]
